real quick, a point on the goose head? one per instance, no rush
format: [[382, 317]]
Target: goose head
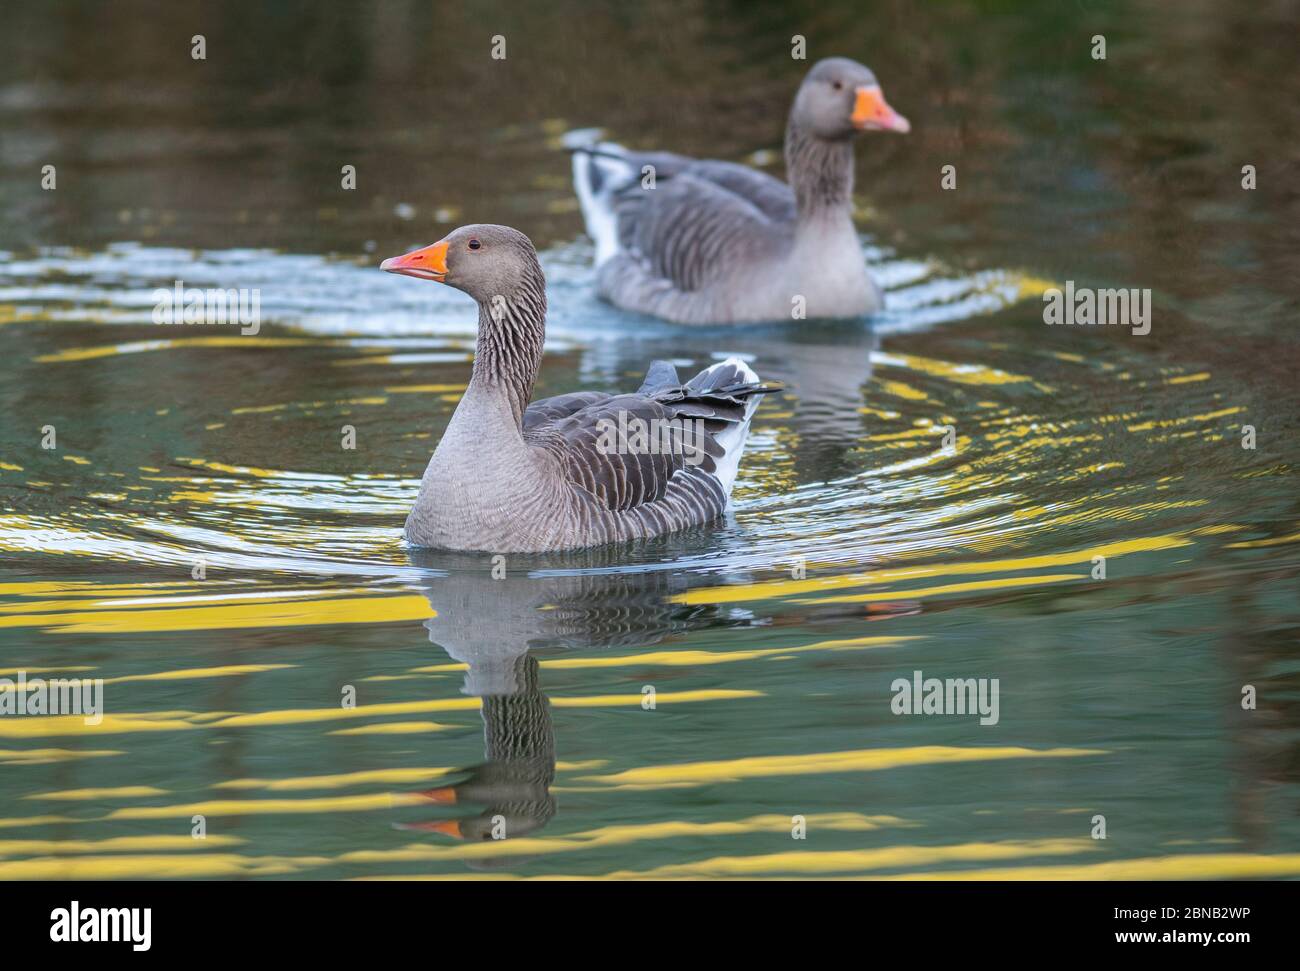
[[482, 260], [840, 98]]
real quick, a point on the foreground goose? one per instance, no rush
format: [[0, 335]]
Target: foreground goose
[[708, 242], [578, 469]]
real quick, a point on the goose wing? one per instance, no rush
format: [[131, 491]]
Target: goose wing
[[710, 216], [599, 450], [546, 411], [770, 196], [595, 436]]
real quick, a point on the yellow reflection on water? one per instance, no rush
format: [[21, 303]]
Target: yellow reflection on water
[[859, 760]]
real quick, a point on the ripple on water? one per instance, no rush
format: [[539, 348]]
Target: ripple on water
[[944, 456], [871, 456]]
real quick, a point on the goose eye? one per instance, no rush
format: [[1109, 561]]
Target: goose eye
[[837, 85], [474, 244]]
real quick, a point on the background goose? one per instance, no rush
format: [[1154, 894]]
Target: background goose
[[512, 477], [717, 242]]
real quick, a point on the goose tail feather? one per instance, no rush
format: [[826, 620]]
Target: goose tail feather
[[731, 379], [600, 171]]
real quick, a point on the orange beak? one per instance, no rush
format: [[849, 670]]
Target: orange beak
[[429, 263], [445, 797], [871, 112], [448, 827]]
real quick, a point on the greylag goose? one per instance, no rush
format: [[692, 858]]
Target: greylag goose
[[708, 242], [575, 470]]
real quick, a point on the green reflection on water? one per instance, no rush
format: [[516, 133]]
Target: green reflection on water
[[524, 696]]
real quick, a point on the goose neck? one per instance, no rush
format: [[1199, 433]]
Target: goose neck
[[508, 352], [820, 172]]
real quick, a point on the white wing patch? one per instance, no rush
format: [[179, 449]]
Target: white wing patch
[[596, 192], [733, 438]]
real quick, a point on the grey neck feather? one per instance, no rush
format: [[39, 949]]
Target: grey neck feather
[[511, 332], [819, 171]]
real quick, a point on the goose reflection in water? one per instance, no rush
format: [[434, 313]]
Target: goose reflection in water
[[513, 785], [822, 365], [490, 625]]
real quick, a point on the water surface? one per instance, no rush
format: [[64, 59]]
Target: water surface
[[201, 541]]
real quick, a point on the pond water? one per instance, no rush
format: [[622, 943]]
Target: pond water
[[1094, 535]]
